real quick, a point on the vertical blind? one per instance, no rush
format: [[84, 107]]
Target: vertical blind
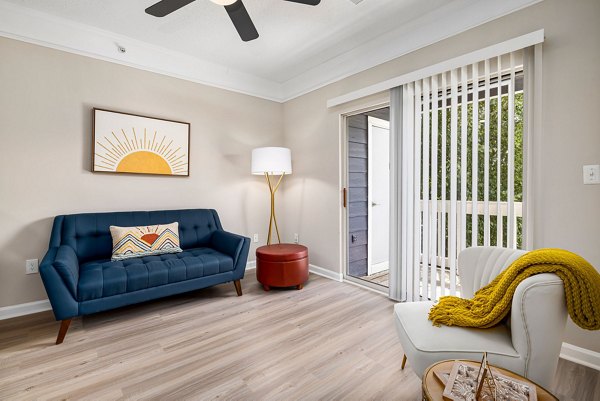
[[461, 158]]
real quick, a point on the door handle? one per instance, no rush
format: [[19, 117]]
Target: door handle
[[374, 204], [353, 238]]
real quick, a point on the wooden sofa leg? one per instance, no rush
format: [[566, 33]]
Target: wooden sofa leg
[[403, 361], [238, 287], [62, 332]]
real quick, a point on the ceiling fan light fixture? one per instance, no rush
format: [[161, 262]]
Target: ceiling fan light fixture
[[224, 2], [235, 9]]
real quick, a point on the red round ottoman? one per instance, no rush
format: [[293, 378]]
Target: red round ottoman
[[282, 265]]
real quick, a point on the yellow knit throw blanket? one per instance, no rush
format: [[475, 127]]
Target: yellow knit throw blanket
[[492, 303]]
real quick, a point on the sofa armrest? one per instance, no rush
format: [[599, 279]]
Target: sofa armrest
[[234, 245], [229, 244], [60, 274]]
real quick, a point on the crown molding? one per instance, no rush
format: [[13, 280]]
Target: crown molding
[[445, 22], [31, 26], [17, 22], [485, 53]]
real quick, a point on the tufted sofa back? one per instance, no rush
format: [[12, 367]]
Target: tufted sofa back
[[89, 234]]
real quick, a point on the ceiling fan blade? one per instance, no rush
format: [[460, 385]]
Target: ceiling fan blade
[[166, 7], [307, 2], [242, 21]]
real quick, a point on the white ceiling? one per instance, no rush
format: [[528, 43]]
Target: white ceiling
[[294, 40], [293, 37]]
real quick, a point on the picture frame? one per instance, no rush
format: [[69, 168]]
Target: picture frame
[[127, 143], [470, 381], [465, 382]]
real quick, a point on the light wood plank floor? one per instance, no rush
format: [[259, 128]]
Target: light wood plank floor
[[328, 341]]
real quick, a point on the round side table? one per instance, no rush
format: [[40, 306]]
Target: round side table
[[433, 388], [282, 265]]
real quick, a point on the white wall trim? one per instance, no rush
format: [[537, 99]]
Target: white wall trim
[[581, 356], [251, 265], [28, 25], [8, 312], [320, 271], [507, 46]]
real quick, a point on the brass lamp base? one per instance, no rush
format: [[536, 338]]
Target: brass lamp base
[[273, 219]]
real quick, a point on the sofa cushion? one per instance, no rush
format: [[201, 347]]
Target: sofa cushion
[[105, 278]]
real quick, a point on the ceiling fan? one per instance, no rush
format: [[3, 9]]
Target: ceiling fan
[[235, 8]]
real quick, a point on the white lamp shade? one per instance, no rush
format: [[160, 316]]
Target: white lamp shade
[[271, 160]]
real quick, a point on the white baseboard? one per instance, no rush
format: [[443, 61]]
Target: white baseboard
[[579, 355], [251, 265], [320, 271], [8, 312]]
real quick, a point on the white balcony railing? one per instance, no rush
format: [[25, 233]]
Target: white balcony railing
[[497, 209]]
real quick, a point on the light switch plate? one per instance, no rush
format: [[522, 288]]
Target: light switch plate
[[591, 174]]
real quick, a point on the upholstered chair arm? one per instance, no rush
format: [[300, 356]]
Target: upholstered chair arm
[[233, 245], [60, 274], [537, 323]]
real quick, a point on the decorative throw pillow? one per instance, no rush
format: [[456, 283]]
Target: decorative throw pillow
[[134, 242]]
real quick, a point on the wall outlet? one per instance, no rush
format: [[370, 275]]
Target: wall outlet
[[255, 239], [31, 266], [296, 238], [591, 174]]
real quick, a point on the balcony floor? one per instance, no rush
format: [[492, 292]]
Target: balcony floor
[[381, 278]]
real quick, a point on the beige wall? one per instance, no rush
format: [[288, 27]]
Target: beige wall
[[46, 98], [567, 213]]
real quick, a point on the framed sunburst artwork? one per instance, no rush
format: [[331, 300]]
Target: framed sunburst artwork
[[130, 143]]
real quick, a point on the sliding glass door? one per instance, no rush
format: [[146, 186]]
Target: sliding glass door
[[459, 141], [368, 199]]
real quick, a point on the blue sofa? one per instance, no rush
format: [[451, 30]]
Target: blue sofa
[[80, 278]]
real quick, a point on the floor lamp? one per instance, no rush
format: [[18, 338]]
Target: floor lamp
[[272, 161]]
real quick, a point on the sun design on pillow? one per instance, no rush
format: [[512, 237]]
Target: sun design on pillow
[[149, 234], [148, 154], [149, 238]]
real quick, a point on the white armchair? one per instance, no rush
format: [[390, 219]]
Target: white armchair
[[528, 343]]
